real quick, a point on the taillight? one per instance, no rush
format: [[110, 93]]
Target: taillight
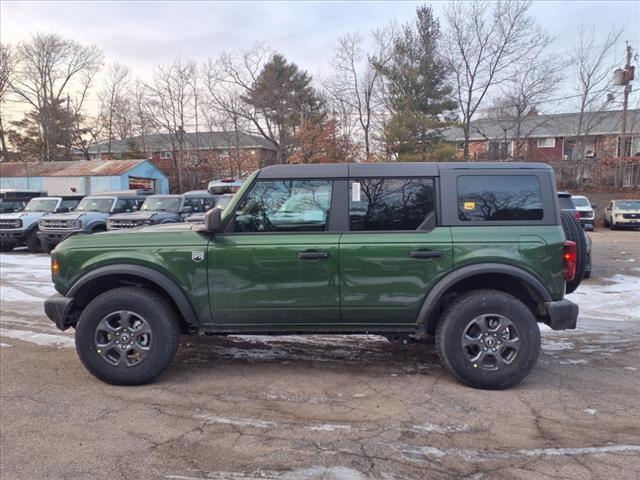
[[577, 215], [569, 260]]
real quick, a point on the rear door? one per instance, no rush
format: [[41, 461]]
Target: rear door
[[394, 251], [277, 264]]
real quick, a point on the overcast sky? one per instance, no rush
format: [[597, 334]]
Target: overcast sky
[[144, 34]]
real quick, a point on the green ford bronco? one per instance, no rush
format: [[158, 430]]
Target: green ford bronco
[[473, 253]]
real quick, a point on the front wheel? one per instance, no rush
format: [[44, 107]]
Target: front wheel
[[488, 339], [33, 242], [127, 336]]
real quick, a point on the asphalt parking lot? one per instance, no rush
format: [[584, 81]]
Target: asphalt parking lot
[[324, 407]]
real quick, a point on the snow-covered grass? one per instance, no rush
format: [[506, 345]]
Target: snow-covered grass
[[617, 301]]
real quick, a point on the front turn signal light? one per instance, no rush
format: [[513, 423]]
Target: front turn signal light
[[55, 266]]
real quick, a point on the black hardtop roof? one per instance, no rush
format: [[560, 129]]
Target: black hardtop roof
[[63, 197], [391, 169]]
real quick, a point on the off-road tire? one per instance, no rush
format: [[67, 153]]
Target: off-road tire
[[164, 327], [46, 248], [606, 223], [573, 231], [464, 310], [6, 248], [33, 242]]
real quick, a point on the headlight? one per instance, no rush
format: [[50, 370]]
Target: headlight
[[76, 224], [17, 224]]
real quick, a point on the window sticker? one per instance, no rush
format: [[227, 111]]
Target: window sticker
[[469, 205], [355, 192]]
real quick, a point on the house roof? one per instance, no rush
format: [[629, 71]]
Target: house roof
[[80, 168], [556, 125], [203, 141]]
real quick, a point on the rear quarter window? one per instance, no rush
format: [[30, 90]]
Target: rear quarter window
[[499, 198]]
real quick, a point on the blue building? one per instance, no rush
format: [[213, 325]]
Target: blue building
[[83, 177]]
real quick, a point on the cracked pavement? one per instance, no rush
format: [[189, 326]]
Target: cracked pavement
[[324, 407]]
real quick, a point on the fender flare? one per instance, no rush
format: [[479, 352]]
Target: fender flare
[[161, 280], [441, 288]]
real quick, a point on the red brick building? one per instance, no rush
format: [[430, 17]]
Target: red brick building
[[203, 156], [552, 138]]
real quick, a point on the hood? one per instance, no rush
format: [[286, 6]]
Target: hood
[[170, 236], [136, 215], [63, 216], [22, 215]]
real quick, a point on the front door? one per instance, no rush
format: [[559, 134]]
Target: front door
[[277, 263], [394, 252]]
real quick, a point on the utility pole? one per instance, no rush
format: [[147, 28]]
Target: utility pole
[[626, 81]]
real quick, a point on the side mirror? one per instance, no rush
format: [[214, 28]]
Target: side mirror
[[213, 220]]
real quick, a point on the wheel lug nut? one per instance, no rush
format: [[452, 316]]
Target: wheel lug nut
[[117, 342]]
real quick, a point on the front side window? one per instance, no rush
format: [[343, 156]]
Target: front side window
[[390, 203], [285, 206], [194, 203], [126, 205], [498, 198]]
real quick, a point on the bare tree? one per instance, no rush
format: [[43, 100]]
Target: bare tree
[[171, 103], [356, 83], [593, 83], [50, 68], [484, 42], [535, 80], [8, 64], [116, 104]]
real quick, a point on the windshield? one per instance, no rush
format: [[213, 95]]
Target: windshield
[[580, 202], [94, 204], [11, 206], [167, 204], [628, 205], [41, 205]]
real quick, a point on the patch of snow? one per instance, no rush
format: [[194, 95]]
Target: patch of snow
[[433, 428], [419, 453], [236, 421], [12, 294], [2, 344], [556, 345], [309, 473], [570, 361], [633, 369], [590, 411], [618, 301], [327, 427], [44, 339]]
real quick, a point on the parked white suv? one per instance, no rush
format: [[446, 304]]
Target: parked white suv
[[622, 213], [586, 211]]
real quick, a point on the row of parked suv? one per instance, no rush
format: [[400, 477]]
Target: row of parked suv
[[45, 221]]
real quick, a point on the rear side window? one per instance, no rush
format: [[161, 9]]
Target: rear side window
[[499, 198], [390, 203]]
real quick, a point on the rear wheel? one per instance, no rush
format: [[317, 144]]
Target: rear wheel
[[127, 336], [573, 231], [488, 339], [33, 242]]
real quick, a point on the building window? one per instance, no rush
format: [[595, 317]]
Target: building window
[[632, 146], [546, 142], [500, 150], [166, 155]]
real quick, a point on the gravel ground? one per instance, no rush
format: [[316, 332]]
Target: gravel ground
[[325, 407]]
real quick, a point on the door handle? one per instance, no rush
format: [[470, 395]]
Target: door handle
[[425, 253], [312, 255]]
